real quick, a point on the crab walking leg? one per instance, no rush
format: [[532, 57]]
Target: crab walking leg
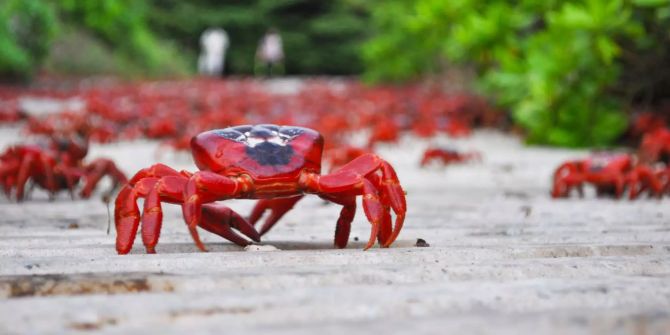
[[204, 187], [642, 178], [96, 170], [258, 210], [575, 180], [219, 219], [619, 184], [49, 174], [156, 170], [7, 170], [168, 189], [125, 206], [127, 213], [71, 177], [561, 189], [566, 177], [27, 164], [347, 214], [396, 197], [373, 209], [386, 228], [634, 182], [278, 207], [351, 178]]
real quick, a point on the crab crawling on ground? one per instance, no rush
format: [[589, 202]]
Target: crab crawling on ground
[[55, 164], [610, 173], [448, 156], [277, 165]]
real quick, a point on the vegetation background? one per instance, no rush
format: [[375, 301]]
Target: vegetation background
[[569, 72]]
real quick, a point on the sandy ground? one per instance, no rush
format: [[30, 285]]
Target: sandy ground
[[503, 258]]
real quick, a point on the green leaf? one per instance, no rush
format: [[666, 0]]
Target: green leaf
[[650, 3]]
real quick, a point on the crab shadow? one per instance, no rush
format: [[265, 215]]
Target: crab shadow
[[215, 247]]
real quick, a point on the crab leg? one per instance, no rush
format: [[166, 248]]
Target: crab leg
[[343, 227], [219, 219], [567, 177], [203, 187], [96, 170], [567, 183], [49, 174], [278, 207], [373, 210], [353, 178], [619, 184], [396, 197], [642, 178], [127, 214], [71, 177], [26, 166], [8, 176], [386, 228], [168, 189]]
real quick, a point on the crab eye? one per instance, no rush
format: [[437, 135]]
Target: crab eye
[[230, 134], [260, 131], [291, 131]]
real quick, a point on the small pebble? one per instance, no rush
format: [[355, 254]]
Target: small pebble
[[260, 248], [421, 243]]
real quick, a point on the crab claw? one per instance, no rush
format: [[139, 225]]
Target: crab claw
[[219, 219]]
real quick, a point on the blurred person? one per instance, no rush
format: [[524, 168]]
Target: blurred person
[[270, 54], [214, 43]]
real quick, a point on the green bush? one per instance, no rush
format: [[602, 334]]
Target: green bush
[[556, 64], [26, 30], [122, 24], [115, 29]]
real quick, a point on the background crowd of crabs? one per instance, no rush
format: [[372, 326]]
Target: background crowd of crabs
[[54, 158]]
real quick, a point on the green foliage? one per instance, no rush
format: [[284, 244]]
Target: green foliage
[[554, 63], [318, 36], [26, 29], [161, 37], [123, 25], [116, 29]]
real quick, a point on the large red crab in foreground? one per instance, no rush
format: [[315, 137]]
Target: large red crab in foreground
[[275, 164]]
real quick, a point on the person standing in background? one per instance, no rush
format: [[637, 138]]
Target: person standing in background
[[270, 54], [214, 43]]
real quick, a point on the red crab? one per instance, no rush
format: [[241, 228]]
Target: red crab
[[54, 165], [447, 156], [610, 173], [655, 146], [275, 164], [383, 131]]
